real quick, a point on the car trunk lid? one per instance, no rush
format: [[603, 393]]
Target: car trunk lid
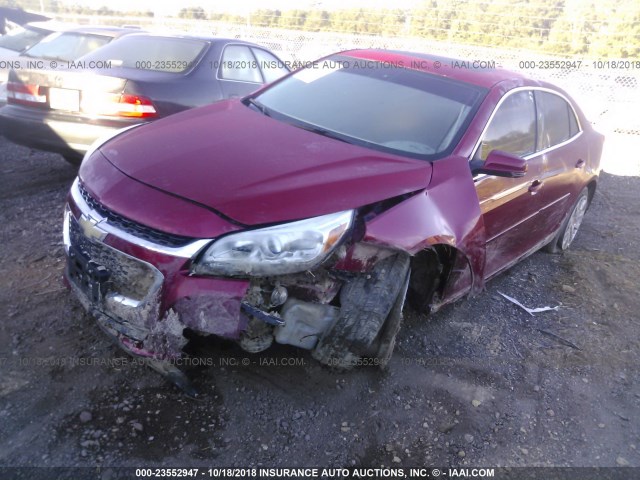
[[77, 93]]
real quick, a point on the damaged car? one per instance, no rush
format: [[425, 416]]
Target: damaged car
[[308, 212]]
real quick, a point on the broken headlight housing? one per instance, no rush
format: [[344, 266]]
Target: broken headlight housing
[[282, 249]]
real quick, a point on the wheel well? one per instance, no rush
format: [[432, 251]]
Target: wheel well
[[591, 186], [430, 270]]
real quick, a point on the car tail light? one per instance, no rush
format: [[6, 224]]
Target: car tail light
[[136, 106], [22, 94], [121, 105]]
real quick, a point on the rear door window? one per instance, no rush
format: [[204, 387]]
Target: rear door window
[[239, 64], [556, 120]]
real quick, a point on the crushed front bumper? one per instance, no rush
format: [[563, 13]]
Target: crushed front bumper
[[136, 282]]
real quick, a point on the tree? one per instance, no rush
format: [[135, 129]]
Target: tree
[[316, 21], [193, 13]]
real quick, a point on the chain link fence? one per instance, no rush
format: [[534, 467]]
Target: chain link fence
[[608, 90]]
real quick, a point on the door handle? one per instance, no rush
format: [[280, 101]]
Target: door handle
[[580, 163], [535, 186]]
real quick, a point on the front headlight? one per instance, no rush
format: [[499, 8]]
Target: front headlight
[[282, 249]]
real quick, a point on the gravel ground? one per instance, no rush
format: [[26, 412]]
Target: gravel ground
[[480, 383]]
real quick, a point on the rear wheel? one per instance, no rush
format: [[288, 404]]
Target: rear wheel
[[569, 228], [370, 317]]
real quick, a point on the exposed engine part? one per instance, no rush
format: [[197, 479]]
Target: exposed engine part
[[257, 337], [305, 323], [318, 286], [268, 318], [279, 296], [256, 296]]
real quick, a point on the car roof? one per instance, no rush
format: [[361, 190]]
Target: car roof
[[50, 25], [207, 38], [457, 69], [103, 30]]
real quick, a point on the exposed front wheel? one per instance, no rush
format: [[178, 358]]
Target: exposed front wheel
[[382, 348], [370, 317]]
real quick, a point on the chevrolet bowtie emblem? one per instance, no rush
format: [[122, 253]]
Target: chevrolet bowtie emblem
[[90, 227]]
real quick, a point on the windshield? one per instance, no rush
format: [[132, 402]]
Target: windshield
[[376, 105], [146, 52], [22, 38], [67, 46]]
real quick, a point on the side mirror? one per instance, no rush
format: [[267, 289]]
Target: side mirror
[[501, 164]]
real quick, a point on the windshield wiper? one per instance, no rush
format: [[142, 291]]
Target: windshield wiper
[[310, 128], [321, 131], [264, 110]]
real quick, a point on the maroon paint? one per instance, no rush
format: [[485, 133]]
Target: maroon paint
[[149, 206], [192, 297], [281, 173], [174, 173], [446, 213]]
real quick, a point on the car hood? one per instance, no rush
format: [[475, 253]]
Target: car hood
[[257, 170]]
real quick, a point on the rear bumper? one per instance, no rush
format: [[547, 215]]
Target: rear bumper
[[53, 131]]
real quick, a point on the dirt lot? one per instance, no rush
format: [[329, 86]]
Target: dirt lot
[[481, 383]]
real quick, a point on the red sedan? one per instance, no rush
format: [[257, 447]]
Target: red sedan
[[305, 213]]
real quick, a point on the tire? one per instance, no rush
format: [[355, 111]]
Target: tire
[[73, 158], [569, 228], [382, 348], [370, 315]]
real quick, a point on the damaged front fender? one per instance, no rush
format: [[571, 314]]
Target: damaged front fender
[[447, 213]]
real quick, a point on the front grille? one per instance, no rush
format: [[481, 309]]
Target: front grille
[[127, 275], [134, 228]]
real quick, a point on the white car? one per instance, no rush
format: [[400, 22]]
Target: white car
[[20, 39]]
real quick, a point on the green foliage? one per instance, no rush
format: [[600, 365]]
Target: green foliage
[[566, 27], [193, 13], [591, 28]]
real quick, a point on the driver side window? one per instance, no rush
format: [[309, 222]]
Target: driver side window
[[513, 127]]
